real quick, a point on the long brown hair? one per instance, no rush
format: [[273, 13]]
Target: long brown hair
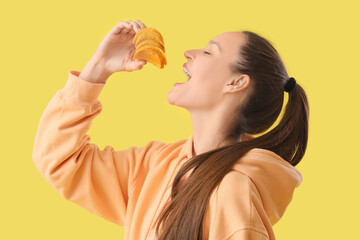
[[182, 218]]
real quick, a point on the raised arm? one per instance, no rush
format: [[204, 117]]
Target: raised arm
[[98, 180]]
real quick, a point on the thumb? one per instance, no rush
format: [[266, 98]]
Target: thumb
[[137, 64]]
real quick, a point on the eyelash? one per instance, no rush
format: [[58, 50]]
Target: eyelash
[[206, 52]]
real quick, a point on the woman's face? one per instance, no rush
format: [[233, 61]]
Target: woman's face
[[210, 73]]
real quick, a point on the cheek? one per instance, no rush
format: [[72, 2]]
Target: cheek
[[212, 73], [210, 80], [206, 92]]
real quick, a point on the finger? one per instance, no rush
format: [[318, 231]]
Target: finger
[[142, 25], [126, 30], [138, 27], [137, 64], [120, 27], [135, 26]]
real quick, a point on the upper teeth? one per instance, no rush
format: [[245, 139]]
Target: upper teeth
[[187, 73]]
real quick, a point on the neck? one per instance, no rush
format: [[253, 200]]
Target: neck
[[208, 130]]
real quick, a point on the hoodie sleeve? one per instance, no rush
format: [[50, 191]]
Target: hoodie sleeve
[[231, 214], [97, 180]]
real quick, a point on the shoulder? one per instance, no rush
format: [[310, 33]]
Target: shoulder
[[156, 146], [232, 180], [231, 207], [168, 148], [158, 151], [234, 191]]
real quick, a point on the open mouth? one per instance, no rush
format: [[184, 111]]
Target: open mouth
[[187, 73]]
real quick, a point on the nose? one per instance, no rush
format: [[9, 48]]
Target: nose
[[189, 54]]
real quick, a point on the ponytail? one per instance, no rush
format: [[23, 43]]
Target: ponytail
[[290, 136]]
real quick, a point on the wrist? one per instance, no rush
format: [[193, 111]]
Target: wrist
[[95, 72]]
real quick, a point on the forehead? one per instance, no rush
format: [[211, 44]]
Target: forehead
[[230, 43], [230, 39]]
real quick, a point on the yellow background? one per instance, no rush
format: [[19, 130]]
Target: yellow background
[[41, 41]]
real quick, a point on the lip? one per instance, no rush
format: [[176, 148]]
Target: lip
[[185, 66]]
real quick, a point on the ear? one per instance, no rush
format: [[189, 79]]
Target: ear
[[237, 84]]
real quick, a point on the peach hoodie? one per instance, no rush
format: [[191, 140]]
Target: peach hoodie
[[130, 187]]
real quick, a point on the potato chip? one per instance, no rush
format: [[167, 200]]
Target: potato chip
[[149, 45], [151, 54], [149, 33], [150, 42]]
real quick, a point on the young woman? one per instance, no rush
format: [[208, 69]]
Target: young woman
[[221, 183]]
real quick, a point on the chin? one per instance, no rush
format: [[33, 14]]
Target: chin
[[172, 100]]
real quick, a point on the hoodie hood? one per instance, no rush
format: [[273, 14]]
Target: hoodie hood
[[274, 177]]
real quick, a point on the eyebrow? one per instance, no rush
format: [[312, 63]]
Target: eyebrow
[[213, 42]]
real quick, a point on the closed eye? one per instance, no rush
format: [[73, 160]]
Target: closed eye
[[207, 53]]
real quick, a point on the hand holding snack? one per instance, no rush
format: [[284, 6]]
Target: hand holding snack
[[116, 50], [127, 47]]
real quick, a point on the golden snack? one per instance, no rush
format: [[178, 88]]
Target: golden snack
[[150, 42], [148, 33], [149, 45], [151, 54]]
